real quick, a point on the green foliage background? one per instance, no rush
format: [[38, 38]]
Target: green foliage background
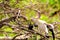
[[47, 8]]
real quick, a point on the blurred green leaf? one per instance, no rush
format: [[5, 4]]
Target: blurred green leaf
[[44, 17]]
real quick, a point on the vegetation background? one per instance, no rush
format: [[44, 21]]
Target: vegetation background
[[49, 12]]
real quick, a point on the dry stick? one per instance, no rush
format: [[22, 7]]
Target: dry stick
[[6, 20], [23, 28], [15, 36], [22, 36], [7, 32], [7, 9], [30, 31], [18, 14], [9, 19], [55, 23]]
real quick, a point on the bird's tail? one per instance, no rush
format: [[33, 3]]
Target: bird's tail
[[52, 30], [53, 35]]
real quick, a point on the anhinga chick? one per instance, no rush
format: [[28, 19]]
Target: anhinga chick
[[43, 27]]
